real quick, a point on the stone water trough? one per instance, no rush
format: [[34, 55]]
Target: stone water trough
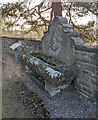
[[55, 63], [56, 74]]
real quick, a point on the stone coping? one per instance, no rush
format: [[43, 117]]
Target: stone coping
[[77, 47], [21, 38], [93, 49]]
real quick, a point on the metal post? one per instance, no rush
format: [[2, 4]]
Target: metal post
[[16, 55]]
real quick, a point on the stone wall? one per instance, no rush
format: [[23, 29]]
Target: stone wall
[[86, 58], [29, 43], [87, 61]]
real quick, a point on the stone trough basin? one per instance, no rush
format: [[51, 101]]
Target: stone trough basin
[[55, 74]]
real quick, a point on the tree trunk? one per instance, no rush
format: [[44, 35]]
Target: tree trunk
[[56, 10]]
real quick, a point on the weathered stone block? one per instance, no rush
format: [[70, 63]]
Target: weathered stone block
[[93, 49], [87, 91], [94, 59], [94, 81], [93, 75], [83, 78], [53, 90], [77, 40], [77, 85], [84, 83], [95, 95], [87, 66]]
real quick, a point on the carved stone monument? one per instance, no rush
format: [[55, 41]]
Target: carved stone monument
[[56, 41]]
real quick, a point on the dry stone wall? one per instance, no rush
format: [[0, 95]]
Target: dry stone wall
[[87, 61], [29, 44]]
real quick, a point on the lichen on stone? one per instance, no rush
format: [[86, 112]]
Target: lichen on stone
[[52, 73]]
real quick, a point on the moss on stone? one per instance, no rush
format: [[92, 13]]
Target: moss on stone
[[37, 99], [48, 59]]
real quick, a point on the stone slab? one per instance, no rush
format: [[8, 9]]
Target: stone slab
[[52, 90]]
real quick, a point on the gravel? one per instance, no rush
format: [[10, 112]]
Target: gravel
[[67, 104]]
